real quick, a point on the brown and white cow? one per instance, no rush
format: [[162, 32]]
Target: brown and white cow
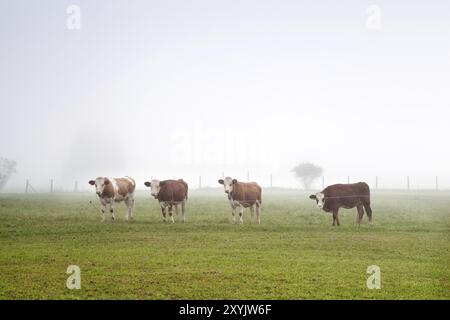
[[345, 196], [242, 195], [111, 190], [170, 193]]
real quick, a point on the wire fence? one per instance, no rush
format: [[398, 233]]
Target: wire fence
[[199, 182]]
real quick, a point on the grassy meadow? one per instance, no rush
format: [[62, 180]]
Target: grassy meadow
[[294, 254]]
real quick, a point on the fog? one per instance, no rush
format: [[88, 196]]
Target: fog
[[168, 89]]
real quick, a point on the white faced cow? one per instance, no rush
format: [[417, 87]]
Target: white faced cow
[[111, 190], [170, 193], [242, 195], [345, 196]]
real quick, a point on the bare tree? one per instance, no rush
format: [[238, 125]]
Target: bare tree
[[7, 168], [307, 172]]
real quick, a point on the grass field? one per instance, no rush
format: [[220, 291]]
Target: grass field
[[294, 254]]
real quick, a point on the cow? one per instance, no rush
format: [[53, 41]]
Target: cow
[[170, 193], [345, 196], [242, 195], [111, 190]]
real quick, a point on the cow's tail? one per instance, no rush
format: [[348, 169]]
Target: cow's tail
[[366, 201], [186, 186], [259, 195]]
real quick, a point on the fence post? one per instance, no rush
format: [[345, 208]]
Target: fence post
[[51, 185], [437, 183], [348, 179], [26, 186], [376, 183], [248, 175], [199, 182], [75, 189], [271, 181], [407, 183]]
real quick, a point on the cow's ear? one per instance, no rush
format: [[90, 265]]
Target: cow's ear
[[220, 181], [234, 181], [313, 196], [147, 184], [91, 182], [107, 182]]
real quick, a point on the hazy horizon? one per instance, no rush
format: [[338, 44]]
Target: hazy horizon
[[181, 89]]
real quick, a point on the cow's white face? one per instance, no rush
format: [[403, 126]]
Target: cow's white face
[[228, 184], [154, 186], [320, 199], [99, 184]]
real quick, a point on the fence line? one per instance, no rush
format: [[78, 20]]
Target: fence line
[[408, 185]]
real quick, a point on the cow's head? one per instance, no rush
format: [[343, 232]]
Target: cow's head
[[320, 199], [99, 184], [155, 186], [228, 184]]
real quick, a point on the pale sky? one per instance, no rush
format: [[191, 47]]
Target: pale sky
[[168, 89]]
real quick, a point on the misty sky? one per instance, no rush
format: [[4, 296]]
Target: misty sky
[[188, 88]]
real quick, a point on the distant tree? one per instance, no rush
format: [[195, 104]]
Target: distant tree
[[7, 168], [307, 172]]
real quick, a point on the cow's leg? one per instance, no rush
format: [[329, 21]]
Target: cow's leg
[[233, 213], [258, 212], [163, 211], [131, 215], [252, 211], [129, 205], [111, 209], [183, 210], [103, 209], [335, 217], [176, 211], [360, 214], [368, 211], [171, 213], [241, 213]]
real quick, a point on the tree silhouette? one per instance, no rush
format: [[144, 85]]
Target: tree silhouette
[[7, 168], [307, 172]]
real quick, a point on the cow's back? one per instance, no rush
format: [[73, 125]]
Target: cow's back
[[125, 186], [172, 190], [346, 195], [248, 192]]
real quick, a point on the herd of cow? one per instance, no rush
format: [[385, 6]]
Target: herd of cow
[[172, 193]]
